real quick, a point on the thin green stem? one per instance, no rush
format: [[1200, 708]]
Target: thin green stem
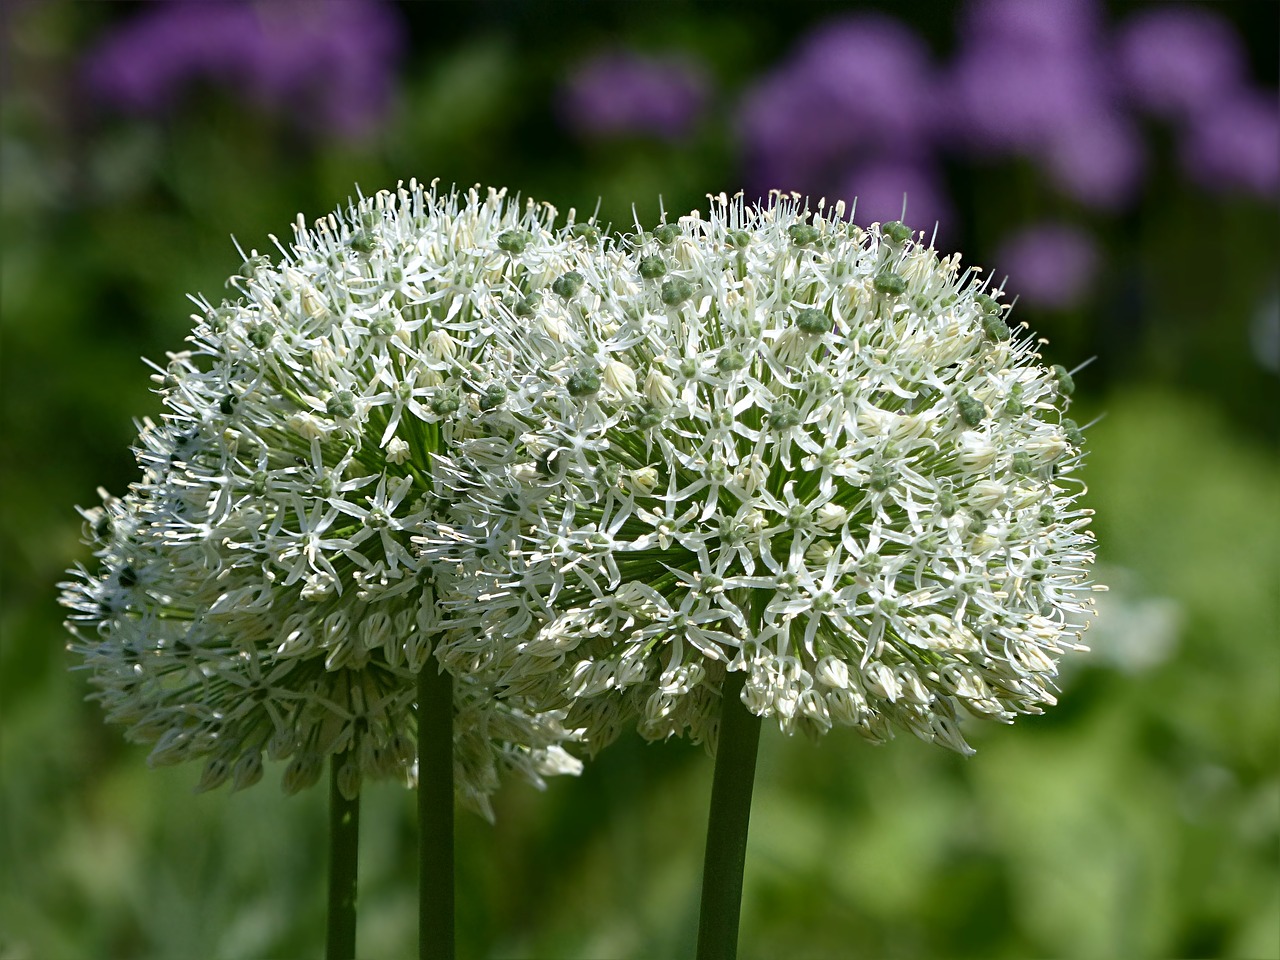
[[727, 824], [435, 813], [344, 848]]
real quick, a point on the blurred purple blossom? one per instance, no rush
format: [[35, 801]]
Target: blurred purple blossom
[[1040, 26], [1178, 60], [328, 63], [1048, 264], [1098, 160], [856, 87], [1034, 77], [1004, 99], [881, 187], [1235, 144], [623, 93]]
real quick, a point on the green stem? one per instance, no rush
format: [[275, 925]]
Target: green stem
[[344, 847], [727, 824], [435, 813]]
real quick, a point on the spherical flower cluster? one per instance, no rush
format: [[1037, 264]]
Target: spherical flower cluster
[[258, 590], [771, 442]]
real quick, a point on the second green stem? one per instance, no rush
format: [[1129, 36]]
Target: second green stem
[[435, 814], [727, 824]]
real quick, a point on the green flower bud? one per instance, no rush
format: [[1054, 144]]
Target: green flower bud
[[784, 416], [821, 384], [446, 402], [492, 397], [813, 322], [649, 419], [994, 327], [1072, 431], [803, 234], [514, 241], [666, 234], [583, 383], [730, 360], [585, 231], [220, 318], [253, 266], [260, 334], [676, 291], [738, 238], [1066, 384], [567, 285], [889, 283], [341, 404], [651, 268], [987, 304], [1014, 407], [896, 231], [881, 477], [971, 409]]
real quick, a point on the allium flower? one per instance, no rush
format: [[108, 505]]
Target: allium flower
[[1024, 68], [856, 87], [1050, 264], [1235, 145], [1035, 77], [623, 93], [328, 64], [259, 592], [1180, 59], [781, 445]]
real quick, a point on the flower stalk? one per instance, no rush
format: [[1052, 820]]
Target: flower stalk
[[344, 845], [727, 824], [435, 814]]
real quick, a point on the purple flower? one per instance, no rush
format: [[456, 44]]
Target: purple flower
[[1235, 144], [1011, 99], [856, 87], [1034, 78], [1098, 159], [623, 93], [1177, 60], [1038, 25], [878, 190], [1050, 265], [326, 63], [1023, 70]]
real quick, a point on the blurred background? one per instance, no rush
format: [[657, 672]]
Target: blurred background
[[1118, 162]]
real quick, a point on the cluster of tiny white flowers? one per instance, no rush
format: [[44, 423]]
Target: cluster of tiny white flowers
[[769, 441], [258, 591]]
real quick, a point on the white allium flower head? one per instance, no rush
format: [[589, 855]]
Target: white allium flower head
[[258, 591], [841, 473]]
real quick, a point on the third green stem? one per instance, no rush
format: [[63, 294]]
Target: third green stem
[[727, 824], [435, 813]]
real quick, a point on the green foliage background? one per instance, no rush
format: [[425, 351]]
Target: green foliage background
[[1140, 818]]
